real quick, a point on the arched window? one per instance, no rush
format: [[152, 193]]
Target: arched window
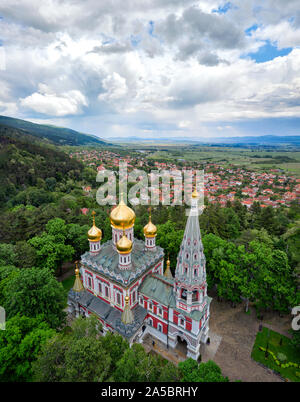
[[159, 327], [150, 322], [195, 296]]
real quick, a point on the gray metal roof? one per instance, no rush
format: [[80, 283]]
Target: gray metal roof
[[159, 288], [107, 260], [110, 315]]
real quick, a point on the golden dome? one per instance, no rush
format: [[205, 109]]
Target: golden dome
[[94, 234], [122, 216], [195, 193], [150, 230], [124, 245]]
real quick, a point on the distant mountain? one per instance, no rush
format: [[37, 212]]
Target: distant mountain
[[260, 140], [271, 140], [53, 134]]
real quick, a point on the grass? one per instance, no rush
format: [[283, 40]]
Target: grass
[[68, 282], [267, 336]]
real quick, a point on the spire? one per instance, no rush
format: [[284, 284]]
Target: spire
[[191, 260], [78, 286], [127, 315], [168, 273]]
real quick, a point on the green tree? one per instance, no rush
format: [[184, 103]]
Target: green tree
[[33, 292], [191, 371], [86, 360], [51, 248], [7, 254], [169, 239], [25, 255], [20, 344], [136, 365]]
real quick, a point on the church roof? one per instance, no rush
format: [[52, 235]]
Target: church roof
[[110, 315], [159, 288], [106, 261]]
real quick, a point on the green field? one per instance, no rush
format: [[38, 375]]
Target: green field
[[277, 343], [260, 160]]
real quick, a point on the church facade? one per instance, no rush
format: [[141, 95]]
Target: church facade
[[123, 282]]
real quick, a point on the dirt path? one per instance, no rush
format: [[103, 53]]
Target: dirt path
[[235, 332], [232, 334]]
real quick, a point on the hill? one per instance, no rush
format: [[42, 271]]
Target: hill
[[26, 161], [53, 134]]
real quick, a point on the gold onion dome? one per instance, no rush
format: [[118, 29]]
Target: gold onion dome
[[124, 245], [122, 216], [195, 193], [150, 230], [94, 234]]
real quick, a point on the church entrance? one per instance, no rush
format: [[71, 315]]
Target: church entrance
[[181, 346]]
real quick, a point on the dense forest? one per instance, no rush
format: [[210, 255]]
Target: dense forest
[[252, 257]]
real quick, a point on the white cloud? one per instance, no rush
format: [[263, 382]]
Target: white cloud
[[182, 72], [46, 101], [115, 87]]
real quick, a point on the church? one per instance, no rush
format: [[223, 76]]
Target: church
[[127, 285]]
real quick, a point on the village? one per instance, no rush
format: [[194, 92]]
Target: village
[[221, 184]]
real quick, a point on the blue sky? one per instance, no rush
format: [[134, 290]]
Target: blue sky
[[157, 68]]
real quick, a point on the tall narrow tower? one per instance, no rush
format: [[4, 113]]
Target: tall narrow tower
[[190, 276]]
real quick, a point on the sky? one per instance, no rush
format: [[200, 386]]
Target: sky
[[153, 68]]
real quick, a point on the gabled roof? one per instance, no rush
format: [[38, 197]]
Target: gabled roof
[[110, 315], [159, 288]]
